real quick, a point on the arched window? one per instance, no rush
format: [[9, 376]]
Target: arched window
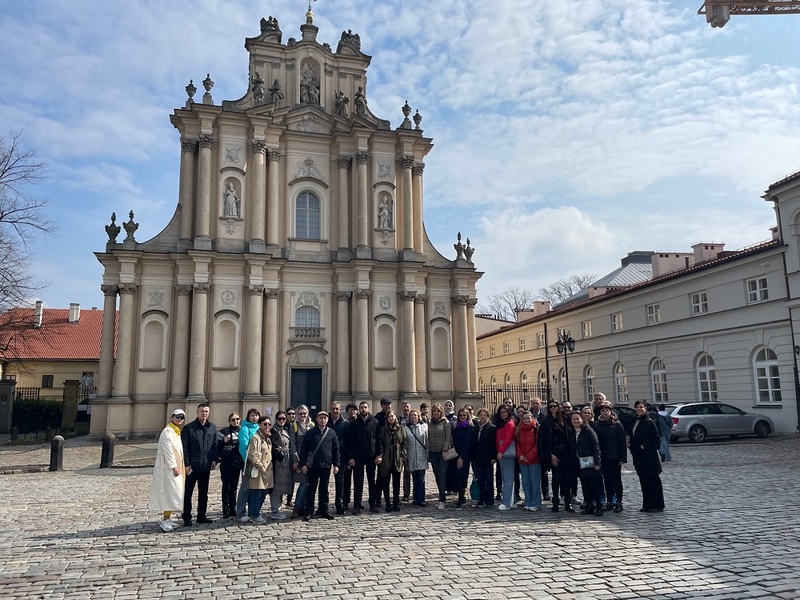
[[658, 377], [494, 382], [707, 379], [562, 384], [620, 384], [153, 349], [307, 217], [306, 316], [523, 379], [384, 345], [226, 342], [507, 381], [768, 381], [440, 345], [588, 383]]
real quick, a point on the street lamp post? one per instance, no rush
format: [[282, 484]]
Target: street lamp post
[[565, 345]]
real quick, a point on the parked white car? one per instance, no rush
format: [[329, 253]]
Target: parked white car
[[700, 420]]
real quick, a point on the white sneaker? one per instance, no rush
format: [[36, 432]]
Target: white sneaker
[[440, 506], [166, 525], [504, 507], [244, 519], [259, 520], [278, 516], [533, 508]]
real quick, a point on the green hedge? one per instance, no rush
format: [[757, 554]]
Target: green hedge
[[36, 415]]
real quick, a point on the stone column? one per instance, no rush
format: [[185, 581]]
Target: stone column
[[197, 359], [274, 156], [122, 367], [473, 358], [408, 203], [417, 175], [259, 197], [189, 147], [255, 314], [344, 202], [343, 342], [409, 379], [106, 369], [180, 351], [202, 239], [461, 353], [269, 374], [361, 345], [420, 338], [362, 159]]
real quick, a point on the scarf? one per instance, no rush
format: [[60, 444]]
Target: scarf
[[174, 428]]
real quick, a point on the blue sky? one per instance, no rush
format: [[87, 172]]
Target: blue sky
[[566, 133]]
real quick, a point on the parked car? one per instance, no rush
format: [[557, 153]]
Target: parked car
[[698, 421], [626, 416]]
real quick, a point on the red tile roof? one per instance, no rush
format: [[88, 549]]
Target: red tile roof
[[56, 339]]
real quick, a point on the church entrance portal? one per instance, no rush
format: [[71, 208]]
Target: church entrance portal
[[307, 389]]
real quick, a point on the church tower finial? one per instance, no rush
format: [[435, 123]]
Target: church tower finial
[[309, 14]]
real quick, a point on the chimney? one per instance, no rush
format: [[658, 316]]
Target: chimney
[[74, 312], [37, 315]]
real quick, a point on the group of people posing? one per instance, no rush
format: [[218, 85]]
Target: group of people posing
[[292, 459]]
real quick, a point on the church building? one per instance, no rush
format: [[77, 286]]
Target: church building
[[296, 268]]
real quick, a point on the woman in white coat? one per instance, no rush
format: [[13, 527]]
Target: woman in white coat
[[169, 475]]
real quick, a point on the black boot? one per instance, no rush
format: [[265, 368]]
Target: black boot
[[598, 512], [555, 505], [618, 507], [568, 506]]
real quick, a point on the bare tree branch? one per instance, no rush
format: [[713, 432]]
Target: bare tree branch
[[561, 290], [506, 304]]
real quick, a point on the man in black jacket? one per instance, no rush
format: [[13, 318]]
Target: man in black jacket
[[318, 455], [341, 480], [199, 440], [364, 451]]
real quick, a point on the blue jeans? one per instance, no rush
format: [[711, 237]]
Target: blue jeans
[[665, 447], [507, 466], [418, 478], [257, 498], [532, 484], [300, 496], [484, 475], [244, 494], [440, 471]]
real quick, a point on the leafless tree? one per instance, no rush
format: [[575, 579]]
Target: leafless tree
[[506, 304], [559, 291], [21, 220]]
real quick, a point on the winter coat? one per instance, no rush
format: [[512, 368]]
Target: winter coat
[[300, 434], [440, 436], [259, 455], [229, 452], [555, 442], [341, 426], [611, 436], [395, 448], [166, 490], [586, 444], [199, 446], [527, 441], [645, 444], [326, 456], [484, 450], [417, 444], [364, 442], [505, 436], [281, 470], [245, 433], [462, 442]]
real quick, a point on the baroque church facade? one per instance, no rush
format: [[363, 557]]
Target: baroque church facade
[[296, 268]]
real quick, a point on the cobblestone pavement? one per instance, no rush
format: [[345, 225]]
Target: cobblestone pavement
[[730, 531]]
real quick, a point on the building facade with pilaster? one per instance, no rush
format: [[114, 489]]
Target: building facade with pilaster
[[296, 268]]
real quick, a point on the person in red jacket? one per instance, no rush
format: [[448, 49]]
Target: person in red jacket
[[527, 441], [506, 454]]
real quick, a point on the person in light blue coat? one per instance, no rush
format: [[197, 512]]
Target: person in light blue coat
[[249, 427]]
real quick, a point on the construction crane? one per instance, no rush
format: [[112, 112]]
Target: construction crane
[[718, 12]]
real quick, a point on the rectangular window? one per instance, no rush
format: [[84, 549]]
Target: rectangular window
[[586, 328], [491, 351], [653, 314], [47, 381], [506, 347], [616, 322], [480, 354], [521, 344], [699, 303], [540, 340], [757, 290]]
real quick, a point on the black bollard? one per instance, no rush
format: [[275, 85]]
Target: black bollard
[[57, 454], [107, 457], [14, 433]]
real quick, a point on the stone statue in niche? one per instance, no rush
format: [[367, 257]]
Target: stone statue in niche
[[275, 92], [309, 85], [360, 102], [341, 103], [384, 214], [231, 202], [258, 88]]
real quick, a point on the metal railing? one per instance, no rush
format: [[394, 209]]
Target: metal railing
[[519, 394]]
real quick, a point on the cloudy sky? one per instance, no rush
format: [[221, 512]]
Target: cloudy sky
[[567, 132]]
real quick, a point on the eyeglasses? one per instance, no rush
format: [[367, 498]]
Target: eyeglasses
[[290, 414], [236, 419], [179, 417], [303, 414], [267, 423], [281, 419]]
